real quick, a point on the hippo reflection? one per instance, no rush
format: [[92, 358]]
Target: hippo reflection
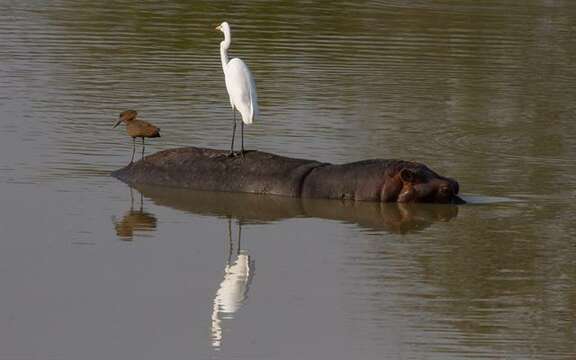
[[250, 208], [265, 173]]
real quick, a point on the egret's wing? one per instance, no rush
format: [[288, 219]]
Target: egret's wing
[[242, 89], [253, 97]]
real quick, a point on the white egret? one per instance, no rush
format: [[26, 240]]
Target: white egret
[[240, 85]]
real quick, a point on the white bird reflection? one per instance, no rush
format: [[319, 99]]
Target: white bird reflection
[[234, 288]]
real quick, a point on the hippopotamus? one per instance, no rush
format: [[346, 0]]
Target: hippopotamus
[[260, 172]]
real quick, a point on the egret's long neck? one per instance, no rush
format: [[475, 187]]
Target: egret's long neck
[[224, 46]]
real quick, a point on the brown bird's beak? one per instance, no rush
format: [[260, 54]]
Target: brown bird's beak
[[117, 123]]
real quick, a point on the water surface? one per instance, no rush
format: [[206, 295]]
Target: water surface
[[483, 93]]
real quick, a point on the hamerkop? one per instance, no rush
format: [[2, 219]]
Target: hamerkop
[[137, 128]]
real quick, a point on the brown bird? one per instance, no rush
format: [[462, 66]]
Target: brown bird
[[137, 128]]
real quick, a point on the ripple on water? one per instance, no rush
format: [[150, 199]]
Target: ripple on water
[[480, 91], [320, 84], [483, 199]]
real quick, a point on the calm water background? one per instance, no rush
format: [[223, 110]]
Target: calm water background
[[484, 93]]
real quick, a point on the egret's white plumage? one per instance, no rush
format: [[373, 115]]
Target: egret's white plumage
[[239, 83], [242, 89]]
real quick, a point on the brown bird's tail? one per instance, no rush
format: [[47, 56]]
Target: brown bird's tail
[[156, 134]]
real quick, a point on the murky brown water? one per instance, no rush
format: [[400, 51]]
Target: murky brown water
[[484, 93]]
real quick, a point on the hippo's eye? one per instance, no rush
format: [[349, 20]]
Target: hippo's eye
[[444, 190]]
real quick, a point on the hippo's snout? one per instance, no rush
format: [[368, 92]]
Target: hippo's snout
[[450, 190], [436, 190]]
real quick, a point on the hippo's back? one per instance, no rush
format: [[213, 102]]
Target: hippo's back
[[212, 170]]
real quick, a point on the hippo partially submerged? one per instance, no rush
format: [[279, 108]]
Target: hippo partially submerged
[[265, 173]]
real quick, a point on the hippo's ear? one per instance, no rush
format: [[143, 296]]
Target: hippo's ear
[[407, 175]]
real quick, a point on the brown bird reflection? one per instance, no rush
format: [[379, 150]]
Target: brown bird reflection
[[134, 221]]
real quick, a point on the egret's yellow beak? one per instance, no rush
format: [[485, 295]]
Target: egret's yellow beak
[[117, 123], [218, 28]]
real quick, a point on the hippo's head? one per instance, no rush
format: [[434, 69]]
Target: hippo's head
[[413, 182]]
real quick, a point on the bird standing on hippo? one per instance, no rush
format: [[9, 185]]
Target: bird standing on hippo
[[137, 128], [240, 85], [264, 173]]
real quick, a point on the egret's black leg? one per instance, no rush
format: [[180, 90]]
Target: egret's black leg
[[242, 133], [239, 237], [142, 147], [133, 149], [229, 259], [233, 133]]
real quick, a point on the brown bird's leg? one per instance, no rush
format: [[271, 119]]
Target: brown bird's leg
[[142, 148], [133, 149], [233, 134], [131, 199]]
